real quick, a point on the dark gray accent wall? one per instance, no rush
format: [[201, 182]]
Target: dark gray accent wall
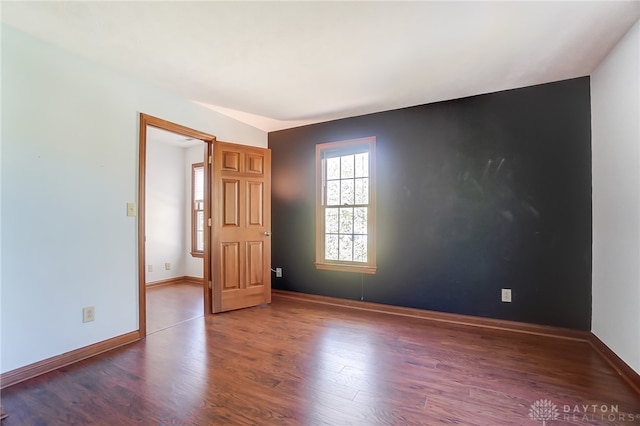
[[474, 195]]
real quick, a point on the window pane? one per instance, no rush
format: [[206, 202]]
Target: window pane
[[333, 168], [198, 183], [331, 247], [199, 231], [347, 166], [362, 191], [347, 196], [360, 248], [333, 193], [200, 240], [200, 221], [346, 221], [360, 220], [362, 164], [346, 247], [331, 221]]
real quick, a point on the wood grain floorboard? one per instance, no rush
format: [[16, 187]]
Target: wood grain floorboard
[[299, 363], [168, 305]]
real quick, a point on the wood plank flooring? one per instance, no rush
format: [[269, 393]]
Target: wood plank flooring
[[299, 363], [168, 305]]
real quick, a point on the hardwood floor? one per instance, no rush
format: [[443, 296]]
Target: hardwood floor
[[299, 363], [168, 305]]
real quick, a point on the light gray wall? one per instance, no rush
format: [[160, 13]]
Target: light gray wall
[[615, 107], [69, 166], [165, 213]]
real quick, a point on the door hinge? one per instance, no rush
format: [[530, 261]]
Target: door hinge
[[210, 159], [209, 221], [210, 286]]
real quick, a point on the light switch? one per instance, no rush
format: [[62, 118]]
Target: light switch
[[132, 209]]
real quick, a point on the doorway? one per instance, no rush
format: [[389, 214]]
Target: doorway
[[166, 258]]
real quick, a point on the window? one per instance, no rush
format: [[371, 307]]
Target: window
[[197, 209], [345, 206]]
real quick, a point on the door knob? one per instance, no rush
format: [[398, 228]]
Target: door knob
[[267, 233]]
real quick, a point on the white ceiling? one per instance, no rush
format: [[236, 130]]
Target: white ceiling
[[155, 134], [276, 65]]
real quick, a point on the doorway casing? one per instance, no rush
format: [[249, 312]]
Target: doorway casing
[[148, 120]]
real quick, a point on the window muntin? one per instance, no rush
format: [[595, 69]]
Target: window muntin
[[345, 208]]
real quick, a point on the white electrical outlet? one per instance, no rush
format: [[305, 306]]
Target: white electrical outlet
[[167, 266], [279, 272], [506, 295], [88, 314], [149, 268]]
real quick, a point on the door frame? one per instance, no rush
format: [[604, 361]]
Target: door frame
[[148, 120]]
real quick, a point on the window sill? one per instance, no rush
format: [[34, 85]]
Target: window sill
[[197, 254], [367, 269]]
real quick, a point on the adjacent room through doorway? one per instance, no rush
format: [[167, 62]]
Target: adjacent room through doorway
[[174, 228]]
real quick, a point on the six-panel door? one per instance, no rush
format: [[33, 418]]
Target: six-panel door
[[241, 243]]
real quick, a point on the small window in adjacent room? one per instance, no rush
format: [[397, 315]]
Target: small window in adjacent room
[[197, 210], [345, 206]]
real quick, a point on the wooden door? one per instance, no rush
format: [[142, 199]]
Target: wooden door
[[241, 228]]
